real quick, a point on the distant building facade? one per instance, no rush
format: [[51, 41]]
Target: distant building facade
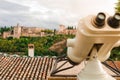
[[19, 31], [64, 30], [7, 34]]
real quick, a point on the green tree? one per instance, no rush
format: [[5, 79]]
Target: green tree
[[115, 53], [117, 8], [5, 28], [70, 27], [41, 44], [47, 31], [54, 32]]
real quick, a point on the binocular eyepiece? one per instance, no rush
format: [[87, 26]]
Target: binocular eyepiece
[[100, 20], [112, 21]]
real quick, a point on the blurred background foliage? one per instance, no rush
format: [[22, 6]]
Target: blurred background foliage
[[42, 44]]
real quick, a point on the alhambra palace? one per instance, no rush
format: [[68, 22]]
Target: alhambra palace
[[19, 31]]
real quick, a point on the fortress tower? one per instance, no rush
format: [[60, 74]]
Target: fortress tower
[[17, 31]]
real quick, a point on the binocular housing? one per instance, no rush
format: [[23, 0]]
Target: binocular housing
[[99, 30]]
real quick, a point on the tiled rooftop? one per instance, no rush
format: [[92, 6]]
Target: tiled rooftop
[[25, 68], [35, 68]]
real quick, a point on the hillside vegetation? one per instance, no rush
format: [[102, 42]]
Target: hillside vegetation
[[42, 45]]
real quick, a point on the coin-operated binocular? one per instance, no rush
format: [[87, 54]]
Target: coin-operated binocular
[[95, 37]]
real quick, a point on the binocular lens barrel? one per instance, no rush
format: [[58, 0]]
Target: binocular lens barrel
[[114, 21], [100, 20]]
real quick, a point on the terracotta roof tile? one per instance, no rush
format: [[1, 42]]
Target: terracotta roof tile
[[37, 68], [27, 68]]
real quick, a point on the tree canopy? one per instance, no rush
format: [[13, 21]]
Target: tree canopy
[[117, 7], [5, 28], [41, 44]]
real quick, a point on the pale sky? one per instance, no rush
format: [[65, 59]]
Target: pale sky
[[50, 13]]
